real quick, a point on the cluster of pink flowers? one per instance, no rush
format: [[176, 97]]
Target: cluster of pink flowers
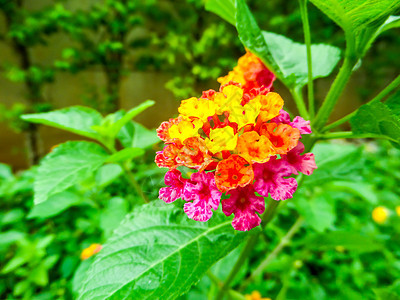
[[239, 142]]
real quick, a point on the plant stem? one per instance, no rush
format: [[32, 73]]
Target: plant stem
[[298, 99], [133, 183], [387, 90], [127, 173], [334, 93], [215, 280], [251, 242], [307, 40], [351, 135], [283, 242]]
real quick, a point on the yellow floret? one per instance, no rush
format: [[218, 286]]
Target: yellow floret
[[221, 139]]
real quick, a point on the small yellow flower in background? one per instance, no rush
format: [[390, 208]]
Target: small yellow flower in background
[[90, 251], [380, 214], [398, 210], [255, 295], [340, 248]]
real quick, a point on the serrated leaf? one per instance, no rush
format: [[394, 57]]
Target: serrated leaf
[[54, 205], [67, 165], [355, 15], [76, 119], [284, 57], [361, 20], [291, 57], [158, 253], [377, 118]]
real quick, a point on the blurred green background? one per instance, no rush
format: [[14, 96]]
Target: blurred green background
[[114, 54]]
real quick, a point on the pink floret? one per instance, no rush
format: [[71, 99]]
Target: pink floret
[[298, 122], [201, 188], [175, 189], [244, 204], [300, 163], [269, 179]]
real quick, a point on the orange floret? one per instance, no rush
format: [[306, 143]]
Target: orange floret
[[233, 172], [194, 154], [163, 129], [282, 136], [168, 157], [255, 148], [271, 104]]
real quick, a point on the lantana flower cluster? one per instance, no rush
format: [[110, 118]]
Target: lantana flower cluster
[[240, 144]]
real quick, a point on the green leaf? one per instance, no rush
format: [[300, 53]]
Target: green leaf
[[223, 8], [9, 237], [67, 165], [136, 135], [351, 241], [377, 118], [355, 15], [335, 162], [113, 214], [319, 212], [107, 174], [361, 20], [158, 253], [125, 154], [5, 171], [54, 205], [76, 119], [291, 57], [116, 126], [284, 57]]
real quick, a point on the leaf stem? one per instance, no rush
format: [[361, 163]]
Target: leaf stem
[[251, 242], [387, 90], [351, 135], [282, 244], [334, 92], [307, 40], [298, 99]]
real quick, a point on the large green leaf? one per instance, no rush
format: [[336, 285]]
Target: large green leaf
[[355, 15], [377, 118], [291, 57], [54, 205], [68, 164], [158, 253], [224, 8], [284, 57], [361, 20], [76, 119]]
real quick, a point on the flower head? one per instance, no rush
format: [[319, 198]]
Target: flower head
[[380, 214], [90, 251], [238, 141]]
